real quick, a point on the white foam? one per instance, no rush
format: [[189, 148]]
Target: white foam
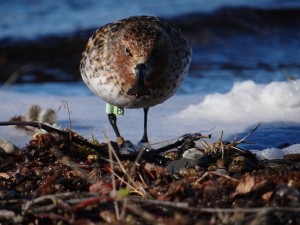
[[245, 105], [233, 112], [292, 149], [276, 153], [269, 153]]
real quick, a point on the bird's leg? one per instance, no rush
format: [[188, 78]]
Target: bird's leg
[[145, 135], [113, 121]]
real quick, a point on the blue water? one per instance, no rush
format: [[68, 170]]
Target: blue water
[[215, 66], [264, 53], [31, 18]]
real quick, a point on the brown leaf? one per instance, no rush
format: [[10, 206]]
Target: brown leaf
[[266, 196], [245, 185], [101, 187], [4, 175]]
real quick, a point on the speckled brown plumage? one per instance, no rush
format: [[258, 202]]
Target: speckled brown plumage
[[137, 62], [112, 53]]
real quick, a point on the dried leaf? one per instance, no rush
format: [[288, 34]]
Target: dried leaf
[[4, 175], [266, 196], [245, 185], [101, 187]]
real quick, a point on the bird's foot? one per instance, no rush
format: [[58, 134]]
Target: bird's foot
[[120, 141], [127, 148], [143, 145]]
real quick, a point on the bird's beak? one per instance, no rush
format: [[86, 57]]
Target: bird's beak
[[139, 88]]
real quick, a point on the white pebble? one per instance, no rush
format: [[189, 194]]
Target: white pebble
[[7, 146]]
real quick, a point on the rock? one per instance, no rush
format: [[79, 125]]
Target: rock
[[176, 165], [7, 146], [241, 164], [193, 153]]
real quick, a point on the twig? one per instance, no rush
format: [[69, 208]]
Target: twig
[[184, 206], [217, 174], [7, 214], [125, 182], [65, 104], [39, 125], [46, 210], [54, 217], [68, 162], [248, 135], [129, 177], [83, 202], [113, 179], [16, 74], [180, 141], [150, 218]]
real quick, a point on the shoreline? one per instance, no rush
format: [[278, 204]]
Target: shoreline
[[54, 179]]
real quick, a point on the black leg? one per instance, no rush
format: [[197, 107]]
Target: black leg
[[145, 135], [113, 121]]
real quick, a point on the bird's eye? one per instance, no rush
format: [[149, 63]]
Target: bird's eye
[[127, 51]]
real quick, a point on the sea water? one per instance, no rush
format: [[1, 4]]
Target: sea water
[[29, 19]]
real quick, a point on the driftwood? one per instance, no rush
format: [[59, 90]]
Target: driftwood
[[148, 152], [39, 125]]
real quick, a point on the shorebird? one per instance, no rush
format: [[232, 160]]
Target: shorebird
[[136, 62]]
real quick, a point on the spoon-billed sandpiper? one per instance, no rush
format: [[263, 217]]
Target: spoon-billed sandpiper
[[136, 62]]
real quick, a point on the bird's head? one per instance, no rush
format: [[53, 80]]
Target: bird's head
[[143, 54]]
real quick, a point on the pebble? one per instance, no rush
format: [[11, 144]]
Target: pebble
[[241, 164], [175, 165], [7, 146], [193, 153]]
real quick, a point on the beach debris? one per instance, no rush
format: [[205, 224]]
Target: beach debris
[[36, 113], [7, 146], [193, 153], [63, 179]]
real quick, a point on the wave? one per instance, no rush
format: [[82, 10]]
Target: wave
[[240, 20], [220, 39], [276, 105], [248, 101]]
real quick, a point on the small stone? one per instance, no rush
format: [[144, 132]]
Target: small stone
[[193, 153], [241, 164], [176, 165], [92, 158], [171, 155], [7, 146]]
